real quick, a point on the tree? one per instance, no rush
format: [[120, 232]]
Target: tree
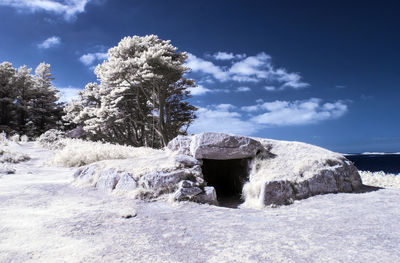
[[140, 99], [44, 111], [28, 104], [25, 87], [8, 94]]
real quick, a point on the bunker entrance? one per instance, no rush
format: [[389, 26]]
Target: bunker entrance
[[227, 177]]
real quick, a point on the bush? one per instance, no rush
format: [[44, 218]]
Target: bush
[[380, 179], [52, 139], [12, 157], [78, 152]]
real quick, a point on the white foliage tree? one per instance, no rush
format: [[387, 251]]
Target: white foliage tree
[[141, 96]]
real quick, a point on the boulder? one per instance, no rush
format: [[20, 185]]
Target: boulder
[[180, 144], [86, 174], [158, 180], [277, 193], [164, 182], [185, 194], [186, 184], [324, 182], [221, 146], [209, 196], [107, 180], [126, 183], [186, 160]]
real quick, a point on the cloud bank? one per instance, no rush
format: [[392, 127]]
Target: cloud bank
[[250, 69], [247, 120]]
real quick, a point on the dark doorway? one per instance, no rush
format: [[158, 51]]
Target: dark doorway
[[227, 177]]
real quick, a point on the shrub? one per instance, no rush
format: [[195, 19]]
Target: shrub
[[78, 152], [51, 139]]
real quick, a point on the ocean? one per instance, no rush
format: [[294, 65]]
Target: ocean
[[389, 163]]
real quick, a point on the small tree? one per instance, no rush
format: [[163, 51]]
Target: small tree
[[44, 111], [141, 96]]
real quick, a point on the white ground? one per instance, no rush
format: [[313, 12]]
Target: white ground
[[45, 219]]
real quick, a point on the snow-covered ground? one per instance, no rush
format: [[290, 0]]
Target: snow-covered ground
[[45, 219]]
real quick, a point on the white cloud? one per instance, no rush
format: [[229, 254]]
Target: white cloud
[[243, 89], [90, 58], [250, 108], [68, 93], [252, 67], [225, 107], [50, 42], [269, 88], [204, 66], [248, 120], [68, 8], [220, 118], [199, 90], [228, 56], [292, 80], [258, 68], [285, 113]]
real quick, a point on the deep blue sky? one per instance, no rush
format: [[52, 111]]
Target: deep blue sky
[[344, 55]]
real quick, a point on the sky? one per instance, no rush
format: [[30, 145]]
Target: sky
[[321, 72]]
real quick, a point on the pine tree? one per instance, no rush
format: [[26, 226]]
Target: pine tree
[[8, 95], [28, 104], [44, 110], [141, 96]]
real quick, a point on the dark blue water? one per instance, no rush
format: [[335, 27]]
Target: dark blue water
[[389, 163]]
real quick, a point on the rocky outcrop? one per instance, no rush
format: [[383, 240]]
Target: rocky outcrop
[[183, 179], [279, 172], [296, 171]]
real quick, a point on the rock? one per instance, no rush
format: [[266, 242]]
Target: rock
[[185, 194], [186, 160], [180, 144], [209, 196], [277, 193], [107, 180], [186, 184], [86, 174], [221, 146], [169, 180], [78, 172], [126, 183], [161, 180], [272, 172], [196, 171], [7, 170], [322, 183], [340, 179], [127, 213]]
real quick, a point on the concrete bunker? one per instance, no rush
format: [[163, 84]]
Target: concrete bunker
[[228, 178]]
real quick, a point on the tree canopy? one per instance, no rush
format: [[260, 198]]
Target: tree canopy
[[28, 103], [141, 95]]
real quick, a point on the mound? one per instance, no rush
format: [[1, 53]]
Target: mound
[[205, 166]]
